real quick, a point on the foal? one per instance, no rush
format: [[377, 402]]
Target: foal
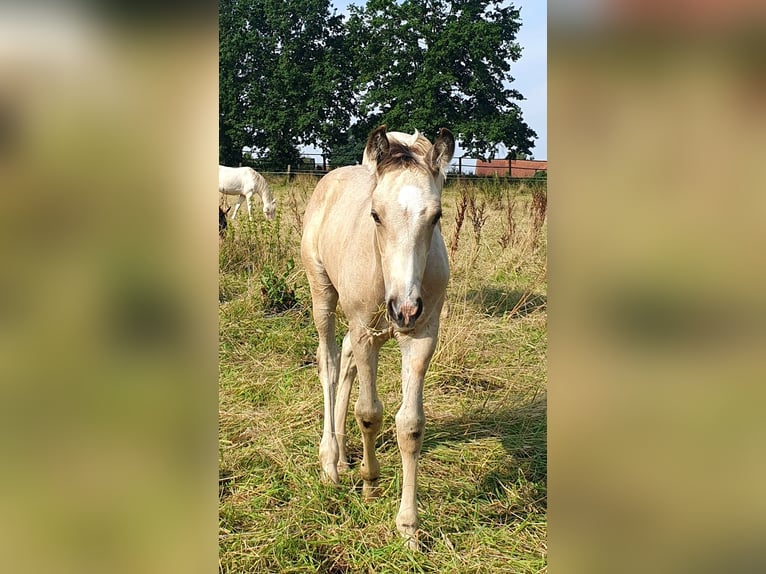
[[371, 241]]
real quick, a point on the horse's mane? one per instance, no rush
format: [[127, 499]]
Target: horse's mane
[[262, 187]]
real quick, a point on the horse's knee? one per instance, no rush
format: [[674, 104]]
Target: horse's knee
[[409, 431], [347, 349], [369, 416]]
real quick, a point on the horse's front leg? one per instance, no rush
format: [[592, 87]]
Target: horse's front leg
[[368, 409], [410, 423], [236, 207], [249, 198]]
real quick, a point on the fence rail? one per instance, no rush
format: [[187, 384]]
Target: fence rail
[[315, 163]]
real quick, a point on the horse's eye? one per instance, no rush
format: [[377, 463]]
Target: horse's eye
[[436, 218], [375, 217]]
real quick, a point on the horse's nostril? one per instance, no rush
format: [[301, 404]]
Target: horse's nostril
[[406, 313], [419, 309], [391, 311]]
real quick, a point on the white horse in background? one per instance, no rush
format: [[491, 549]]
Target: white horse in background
[[371, 241], [244, 182]]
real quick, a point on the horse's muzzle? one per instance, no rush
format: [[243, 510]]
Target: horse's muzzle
[[405, 315]]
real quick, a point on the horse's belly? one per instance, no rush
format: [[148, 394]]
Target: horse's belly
[[229, 187]]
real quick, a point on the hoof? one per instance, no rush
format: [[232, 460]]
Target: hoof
[[407, 525], [411, 540], [330, 475], [370, 489]]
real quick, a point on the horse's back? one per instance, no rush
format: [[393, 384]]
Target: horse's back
[[338, 187], [236, 180], [338, 196], [335, 219]]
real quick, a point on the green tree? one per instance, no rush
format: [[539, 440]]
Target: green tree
[[232, 80], [285, 78], [430, 63]]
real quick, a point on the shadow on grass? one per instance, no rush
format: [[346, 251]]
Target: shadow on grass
[[523, 435], [225, 483], [499, 303], [521, 431]]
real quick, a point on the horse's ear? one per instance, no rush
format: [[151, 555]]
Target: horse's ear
[[376, 148], [442, 151]]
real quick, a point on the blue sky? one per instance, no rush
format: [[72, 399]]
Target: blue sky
[[530, 73]]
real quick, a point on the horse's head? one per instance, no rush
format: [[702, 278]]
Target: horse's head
[[406, 208], [269, 209], [222, 224]]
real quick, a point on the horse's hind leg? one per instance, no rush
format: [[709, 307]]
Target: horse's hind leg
[[347, 374], [368, 409], [324, 300]]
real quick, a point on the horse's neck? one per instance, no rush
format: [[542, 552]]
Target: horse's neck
[[265, 192]]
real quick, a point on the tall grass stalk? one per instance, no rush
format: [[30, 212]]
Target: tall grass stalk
[[459, 218], [537, 210], [508, 236], [478, 219]]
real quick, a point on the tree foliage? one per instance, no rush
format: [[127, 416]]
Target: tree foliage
[[291, 73], [432, 63], [285, 77]]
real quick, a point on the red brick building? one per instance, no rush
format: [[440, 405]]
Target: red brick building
[[518, 167]]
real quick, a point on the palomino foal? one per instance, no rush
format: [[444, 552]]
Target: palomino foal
[[371, 240], [244, 182]]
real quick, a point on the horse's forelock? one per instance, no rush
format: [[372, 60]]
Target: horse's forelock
[[406, 155]]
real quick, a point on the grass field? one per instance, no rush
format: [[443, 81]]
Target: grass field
[[482, 473]]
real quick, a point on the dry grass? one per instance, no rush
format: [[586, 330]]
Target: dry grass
[[482, 477]]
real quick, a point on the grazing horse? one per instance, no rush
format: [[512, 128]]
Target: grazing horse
[[244, 182], [371, 240]]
